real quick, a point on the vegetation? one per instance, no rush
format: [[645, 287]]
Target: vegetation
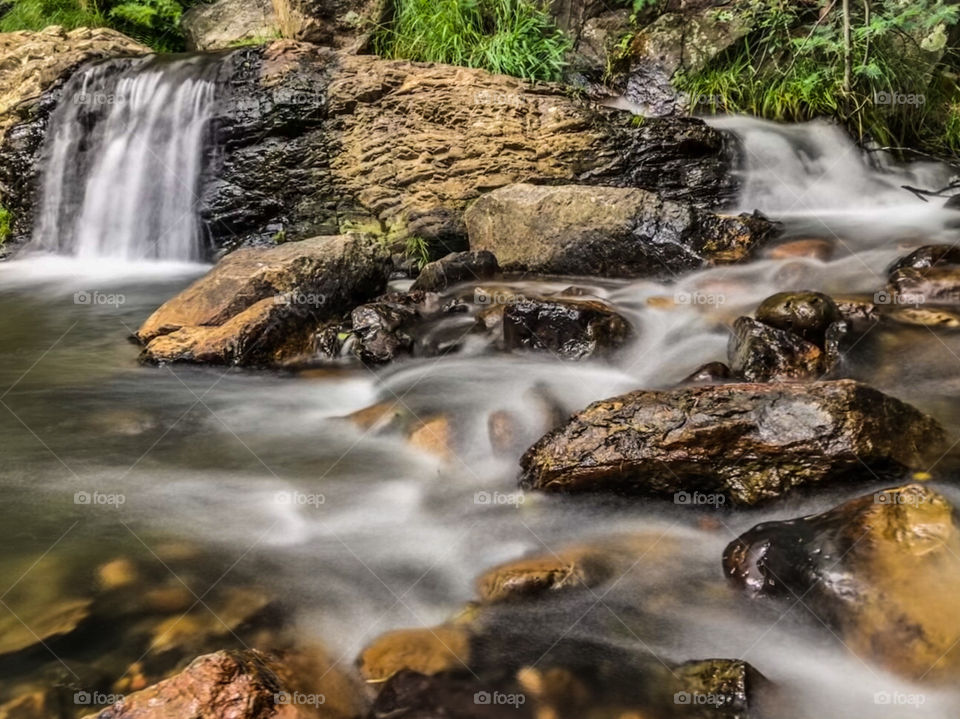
[[512, 37], [418, 249], [874, 68], [6, 221], [153, 22]]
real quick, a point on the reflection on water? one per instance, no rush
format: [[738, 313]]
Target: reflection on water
[[134, 495]]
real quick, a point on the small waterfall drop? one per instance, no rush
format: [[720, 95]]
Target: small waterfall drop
[[123, 158]]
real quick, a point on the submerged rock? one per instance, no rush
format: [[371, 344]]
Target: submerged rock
[[816, 248], [425, 651], [882, 570], [927, 285], [260, 306], [746, 442], [534, 577], [570, 329], [609, 231], [455, 268]]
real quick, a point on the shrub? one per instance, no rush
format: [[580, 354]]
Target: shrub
[[513, 37]]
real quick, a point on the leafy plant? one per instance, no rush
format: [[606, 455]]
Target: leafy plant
[[513, 37], [6, 222], [417, 249], [879, 79]]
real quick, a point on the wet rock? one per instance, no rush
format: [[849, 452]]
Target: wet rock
[[882, 570], [760, 353], [570, 329], [813, 248], [536, 577], [237, 684], [228, 23], [455, 268], [117, 573], [730, 687], [33, 69], [608, 231], [858, 313], [746, 442], [260, 306], [927, 256], [710, 373], [938, 317], [433, 435], [411, 695], [383, 329], [807, 314], [425, 651], [938, 284]]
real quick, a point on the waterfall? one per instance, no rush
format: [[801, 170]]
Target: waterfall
[[122, 160]]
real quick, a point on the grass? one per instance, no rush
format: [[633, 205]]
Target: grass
[[512, 37], [792, 68], [418, 249], [155, 23], [6, 222]]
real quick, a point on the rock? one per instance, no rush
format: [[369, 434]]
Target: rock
[[382, 328], [746, 442], [228, 23], [260, 306], [237, 684], [927, 256], [857, 313], [334, 23], [433, 435], [760, 353], [27, 706], [928, 285], [536, 577], [382, 415], [411, 695], [807, 314], [813, 248], [425, 651], [710, 373], [597, 42], [570, 329], [730, 686], [117, 573], [606, 231], [33, 67], [938, 317], [455, 268], [882, 570]]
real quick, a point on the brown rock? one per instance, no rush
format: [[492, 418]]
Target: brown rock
[[433, 435], [117, 573], [882, 570], [815, 248], [571, 569], [425, 651], [744, 442], [609, 231], [259, 306]]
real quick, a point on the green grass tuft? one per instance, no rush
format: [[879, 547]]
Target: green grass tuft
[[6, 224], [512, 37]]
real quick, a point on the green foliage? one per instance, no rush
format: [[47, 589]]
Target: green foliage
[[418, 249], [6, 222], [153, 22], [792, 68], [513, 37]]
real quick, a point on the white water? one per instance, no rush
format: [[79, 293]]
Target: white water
[[122, 161]]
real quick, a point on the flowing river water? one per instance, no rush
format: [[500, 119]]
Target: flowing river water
[[224, 487]]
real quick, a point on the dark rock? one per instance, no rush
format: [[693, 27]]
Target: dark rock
[[882, 571], [747, 442], [710, 373], [455, 268], [760, 353], [571, 329], [609, 231], [938, 284], [807, 314], [729, 687], [382, 328], [410, 695], [927, 256]]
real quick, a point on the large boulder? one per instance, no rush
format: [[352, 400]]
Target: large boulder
[[883, 571], [260, 306], [609, 231], [32, 67], [745, 442], [335, 23], [228, 23]]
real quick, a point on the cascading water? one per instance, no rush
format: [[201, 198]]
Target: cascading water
[[123, 158]]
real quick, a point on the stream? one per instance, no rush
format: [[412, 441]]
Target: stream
[[219, 487]]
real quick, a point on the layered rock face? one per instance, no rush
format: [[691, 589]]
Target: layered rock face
[[882, 570], [747, 442]]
